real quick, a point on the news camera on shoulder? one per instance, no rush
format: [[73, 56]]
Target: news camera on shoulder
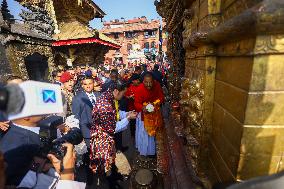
[[31, 145]]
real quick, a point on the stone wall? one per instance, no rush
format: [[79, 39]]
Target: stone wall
[[17, 51], [5, 67]]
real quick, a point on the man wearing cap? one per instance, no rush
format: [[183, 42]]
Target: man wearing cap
[[67, 89]]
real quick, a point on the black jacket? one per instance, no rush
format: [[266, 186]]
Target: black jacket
[[82, 109], [19, 146]]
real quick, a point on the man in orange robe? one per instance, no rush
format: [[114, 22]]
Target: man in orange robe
[[148, 92]]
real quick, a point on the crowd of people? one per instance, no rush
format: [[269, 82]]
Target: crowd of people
[[104, 102]]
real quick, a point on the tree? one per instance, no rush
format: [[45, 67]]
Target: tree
[[6, 12]]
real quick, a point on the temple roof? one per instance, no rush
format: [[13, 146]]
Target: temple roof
[[155, 24], [89, 4], [96, 7], [23, 29], [3, 24], [80, 32]]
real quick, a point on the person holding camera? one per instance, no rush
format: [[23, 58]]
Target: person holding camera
[[19, 145], [54, 173], [22, 144]]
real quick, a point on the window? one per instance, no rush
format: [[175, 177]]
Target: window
[[116, 36], [130, 34], [129, 46], [146, 34], [153, 44], [146, 45], [149, 33]]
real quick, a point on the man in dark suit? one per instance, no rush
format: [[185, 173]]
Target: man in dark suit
[[19, 145], [82, 106]]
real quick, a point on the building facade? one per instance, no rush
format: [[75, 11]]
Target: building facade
[[230, 56], [138, 37]]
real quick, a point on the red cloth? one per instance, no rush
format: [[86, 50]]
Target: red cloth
[[142, 94], [66, 76], [131, 91]]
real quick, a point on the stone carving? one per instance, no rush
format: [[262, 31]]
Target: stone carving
[[188, 13], [269, 44], [191, 100], [38, 20]]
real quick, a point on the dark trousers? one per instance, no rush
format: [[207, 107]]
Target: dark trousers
[[132, 125], [84, 173], [118, 140]]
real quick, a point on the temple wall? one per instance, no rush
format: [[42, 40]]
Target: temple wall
[[5, 67], [17, 52], [234, 52], [263, 129]]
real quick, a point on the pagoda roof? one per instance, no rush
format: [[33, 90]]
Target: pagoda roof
[[81, 32], [96, 7], [23, 29], [155, 24], [91, 40], [98, 12]]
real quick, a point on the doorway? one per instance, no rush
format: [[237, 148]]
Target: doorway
[[37, 67]]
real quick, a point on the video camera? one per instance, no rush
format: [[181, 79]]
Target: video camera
[[33, 98], [50, 143], [30, 98]]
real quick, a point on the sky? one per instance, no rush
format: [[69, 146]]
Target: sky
[[115, 9]]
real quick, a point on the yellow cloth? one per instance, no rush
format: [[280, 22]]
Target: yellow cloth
[[117, 110], [153, 120]]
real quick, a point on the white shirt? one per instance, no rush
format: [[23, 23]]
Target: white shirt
[[48, 181], [92, 97], [32, 129], [122, 125]]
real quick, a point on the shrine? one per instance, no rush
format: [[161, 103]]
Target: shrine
[[82, 44], [36, 60], [226, 88]]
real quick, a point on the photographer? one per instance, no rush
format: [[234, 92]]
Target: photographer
[[19, 145], [23, 143], [61, 176]]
